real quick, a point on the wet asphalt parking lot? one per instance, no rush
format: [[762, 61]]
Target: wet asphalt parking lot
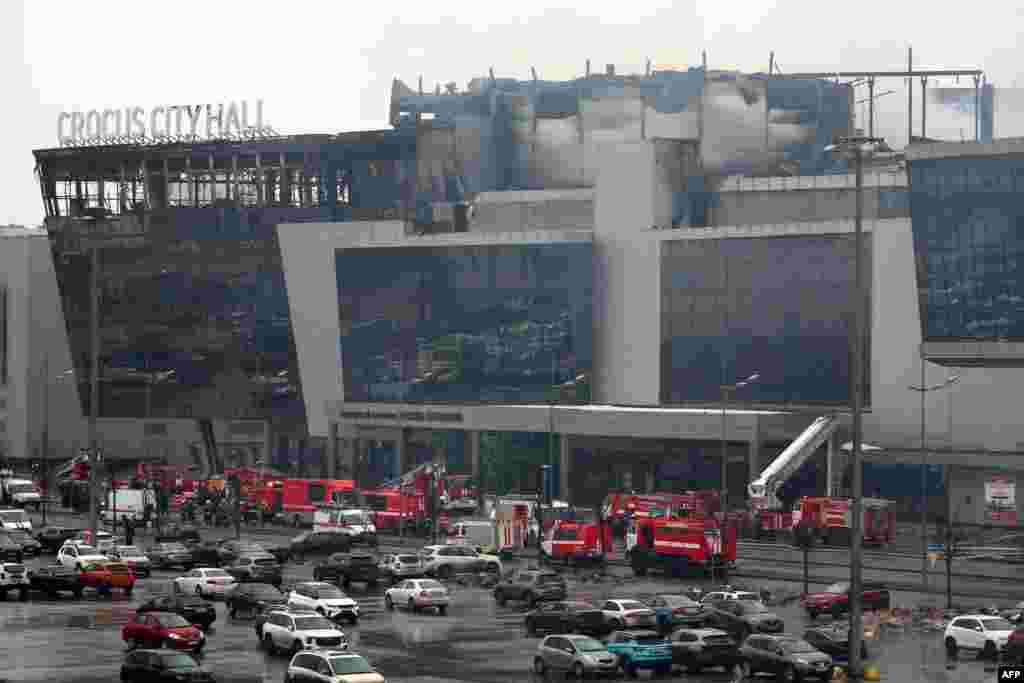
[[64, 639]]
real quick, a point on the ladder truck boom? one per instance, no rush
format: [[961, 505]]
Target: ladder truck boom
[[763, 490]]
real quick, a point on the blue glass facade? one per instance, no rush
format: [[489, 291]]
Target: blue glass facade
[[194, 317], [502, 323], [780, 306], [968, 226]]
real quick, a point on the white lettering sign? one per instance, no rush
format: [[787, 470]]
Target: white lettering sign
[[173, 123]]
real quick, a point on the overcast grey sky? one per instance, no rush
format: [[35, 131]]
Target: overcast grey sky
[[327, 66]]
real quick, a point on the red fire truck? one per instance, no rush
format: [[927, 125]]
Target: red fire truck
[[393, 507], [828, 520], [679, 545], [618, 505], [300, 497], [575, 541]]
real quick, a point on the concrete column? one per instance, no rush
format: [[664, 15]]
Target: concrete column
[[564, 464], [830, 455], [331, 455], [399, 456], [473, 444]]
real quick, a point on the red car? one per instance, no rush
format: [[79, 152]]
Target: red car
[[106, 575], [835, 600], [1015, 646], [163, 629]]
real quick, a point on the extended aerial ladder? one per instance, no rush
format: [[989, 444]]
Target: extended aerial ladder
[[764, 490]]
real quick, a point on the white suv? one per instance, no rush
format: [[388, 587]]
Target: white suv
[[743, 596], [980, 632], [14, 577], [446, 560], [76, 555], [297, 631], [325, 599]]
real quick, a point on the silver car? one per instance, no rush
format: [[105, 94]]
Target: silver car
[[400, 567], [581, 655]]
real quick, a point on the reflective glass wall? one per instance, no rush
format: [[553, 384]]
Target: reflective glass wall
[[968, 225], [778, 306], [497, 323]]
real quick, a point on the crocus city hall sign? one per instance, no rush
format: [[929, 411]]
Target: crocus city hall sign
[[176, 123]]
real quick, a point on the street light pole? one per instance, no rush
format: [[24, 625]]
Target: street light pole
[[94, 398], [857, 521], [922, 389], [46, 432], [725, 389]]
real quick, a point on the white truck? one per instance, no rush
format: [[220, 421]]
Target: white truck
[[15, 518], [127, 503], [21, 493]]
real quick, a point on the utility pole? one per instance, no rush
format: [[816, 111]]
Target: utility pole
[[46, 435], [94, 393]]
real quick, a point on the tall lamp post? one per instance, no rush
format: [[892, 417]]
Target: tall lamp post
[[923, 389], [45, 437], [857, 148], [726, 389]]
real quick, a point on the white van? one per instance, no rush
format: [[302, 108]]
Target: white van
[[127, 503], [474, 533], [22, 492], [15, 519]]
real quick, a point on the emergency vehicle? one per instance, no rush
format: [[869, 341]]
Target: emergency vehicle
[[679, 545], [392, 507], [356, 523], [617, 506], [576, 541], [300, 497], [829, 520]]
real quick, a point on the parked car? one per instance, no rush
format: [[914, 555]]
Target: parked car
[[261, 618], [718, 596], [641, 649], [703, 648], [418, 594], [566, 617], [197, 611], [84, 537], [10, 550], [395, 568], [14, 577], [134, 558], [53, 537], [253, 598], [326, 599], [168, 555], [622, 614], [834, 641], [52, 579], [344, 568], [312, 542], [262, 568], [207, 553], [206, 582], [740, 618], [531, 586], [104, 576], [178, 533], [672, 611], [294, 632], [336, 666], [230, 550], [166, 629], [446, 560], [76, 555], [30, 547], [835, 600], [978, 632], [580, 655], [787, 657], [144, 666]]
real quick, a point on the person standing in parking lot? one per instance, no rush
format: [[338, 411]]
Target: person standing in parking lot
[[129, 531]]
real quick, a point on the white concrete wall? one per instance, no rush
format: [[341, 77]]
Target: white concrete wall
[[984, 407], [627, 296]]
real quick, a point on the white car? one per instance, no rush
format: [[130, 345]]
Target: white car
[[325, 599], [979, 632], [296, 631], [626, 614], [83, 537], [134, 558], [417, 594], [401, 566], [447, 560], [76, 555], [744, 596], [205, 582], [332, 667]]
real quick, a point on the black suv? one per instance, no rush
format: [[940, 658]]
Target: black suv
[[53, 537], [253, 598], [344, 568], [531, 586], [10, 550]]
